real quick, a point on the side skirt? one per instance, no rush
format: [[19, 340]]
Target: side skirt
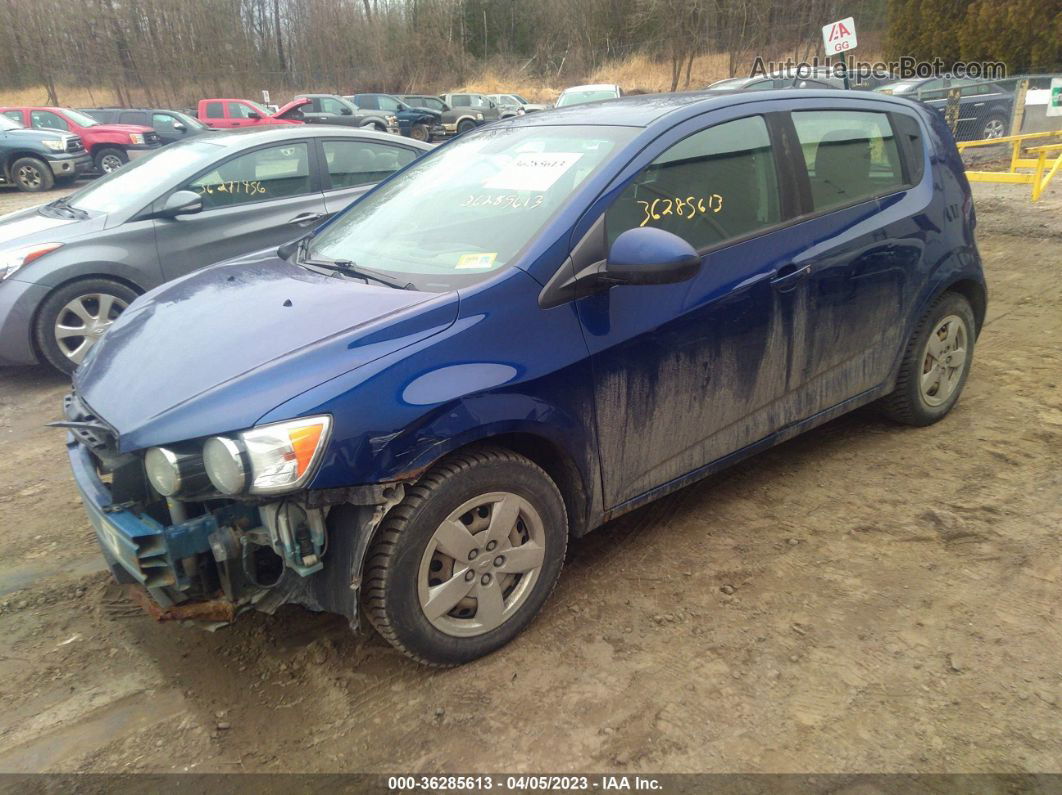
[[779, 436]]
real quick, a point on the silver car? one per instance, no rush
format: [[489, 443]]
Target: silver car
[[69, 268]]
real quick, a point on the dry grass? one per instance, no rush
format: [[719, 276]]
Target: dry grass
[[636, 73]]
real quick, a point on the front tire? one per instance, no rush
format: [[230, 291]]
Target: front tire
[[995, 127], [31, 175], [464, 563], [420, 132], [110, 159], [73, 319], [935, 364], [465, 126]]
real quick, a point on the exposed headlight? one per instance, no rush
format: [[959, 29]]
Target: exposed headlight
[[55, 144], [170, 472], [269, 459], [136, 138], [13, 259]]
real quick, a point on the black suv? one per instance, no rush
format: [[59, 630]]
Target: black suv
[[171, 125], [421, 124], [34, 160]]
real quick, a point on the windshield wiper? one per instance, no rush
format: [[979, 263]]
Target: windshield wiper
[[348, 268], [64, 204]]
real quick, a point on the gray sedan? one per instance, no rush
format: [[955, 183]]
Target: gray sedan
[[68, 268]]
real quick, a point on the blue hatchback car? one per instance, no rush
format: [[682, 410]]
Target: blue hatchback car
[[534, 329]]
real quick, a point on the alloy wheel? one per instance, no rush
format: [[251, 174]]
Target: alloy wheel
[[111, 163], [481, 564], [29, 177], [82, 322], [994, 129], [943, 361]]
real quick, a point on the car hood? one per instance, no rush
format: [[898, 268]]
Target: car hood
[[294, 104], [28, 226], [26, 133], [215, 351], [422, 112], [120, 128]]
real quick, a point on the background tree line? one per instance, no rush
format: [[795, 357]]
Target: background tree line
[[171, 52]]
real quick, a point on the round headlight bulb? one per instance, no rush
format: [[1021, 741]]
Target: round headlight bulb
[[224, 462], [163, 471]]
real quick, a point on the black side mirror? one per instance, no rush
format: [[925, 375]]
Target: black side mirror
[[346, 112], [650, 256], [182, 202], [253, 115]]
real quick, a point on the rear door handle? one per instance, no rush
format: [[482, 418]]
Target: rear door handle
[[305, 219], [787, 277]]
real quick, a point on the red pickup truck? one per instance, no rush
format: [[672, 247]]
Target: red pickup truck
[[228, 113], [111, 145]]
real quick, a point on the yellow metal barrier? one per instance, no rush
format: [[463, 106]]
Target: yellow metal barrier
[[1048, 159]]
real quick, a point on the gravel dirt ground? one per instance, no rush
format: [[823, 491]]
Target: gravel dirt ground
[[865, 598]]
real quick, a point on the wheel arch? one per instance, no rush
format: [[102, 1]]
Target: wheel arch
[[974, 292], [538, 448], [18, 154], [136, 288]]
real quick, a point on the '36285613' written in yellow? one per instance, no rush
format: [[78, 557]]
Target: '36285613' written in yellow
[[688, 208]]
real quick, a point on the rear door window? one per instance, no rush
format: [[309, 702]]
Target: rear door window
[[849, 156], [45, 119], [367, 101], [352, 163], [214, 111], [133, 117], [716, 185]]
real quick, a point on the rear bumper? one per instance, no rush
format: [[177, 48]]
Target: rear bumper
[[18, 304], [70, 165]]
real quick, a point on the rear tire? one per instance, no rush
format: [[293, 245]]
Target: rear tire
[[110, 159], [31, 175], [464, 563], [935, 363], [88, 305]]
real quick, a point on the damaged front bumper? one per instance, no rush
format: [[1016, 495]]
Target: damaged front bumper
[[214, 558]]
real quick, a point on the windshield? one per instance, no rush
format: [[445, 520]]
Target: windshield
[[579, 97], [81, 119], [8, 123], [138, 182], [189, 122], [470, 208]]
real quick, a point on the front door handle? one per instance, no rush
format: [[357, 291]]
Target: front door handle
[[787, 277], [305, 219]]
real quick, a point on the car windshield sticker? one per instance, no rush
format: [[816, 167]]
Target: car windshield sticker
[[504, 200], [533, 171], [476, 261], [688, 208]]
